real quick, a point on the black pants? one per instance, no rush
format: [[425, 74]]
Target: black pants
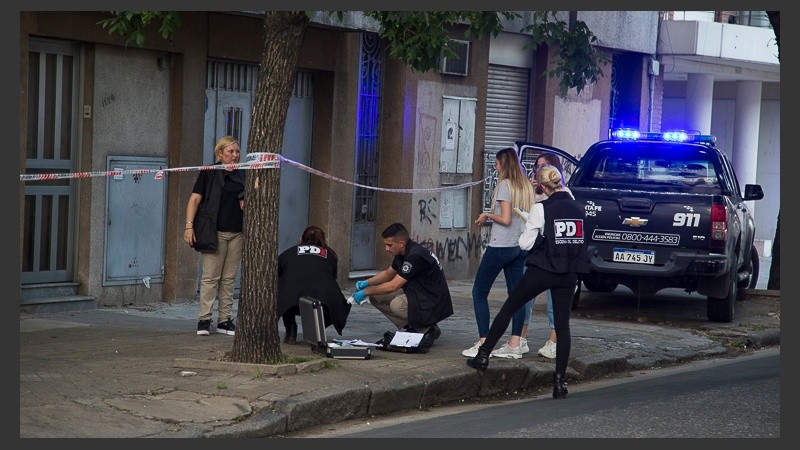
[[289, 317], [534, 282]]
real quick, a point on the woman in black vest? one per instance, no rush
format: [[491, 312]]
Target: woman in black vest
[[214, 224], [554, 236], [310, 269]]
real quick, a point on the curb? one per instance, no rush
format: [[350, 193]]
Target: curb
[[356, 401]]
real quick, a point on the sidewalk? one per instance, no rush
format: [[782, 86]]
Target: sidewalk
[[124, 372]]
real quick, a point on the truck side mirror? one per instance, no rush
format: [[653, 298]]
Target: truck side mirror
[[753, 192]]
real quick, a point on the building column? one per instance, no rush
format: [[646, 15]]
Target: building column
[[746, 124], [699, 101]]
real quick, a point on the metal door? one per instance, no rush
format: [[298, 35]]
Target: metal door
[[135, 222], [230, 93], [52, 140], [293, 206], [365, 203]]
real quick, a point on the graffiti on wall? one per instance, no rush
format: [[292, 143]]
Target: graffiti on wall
[[427, 210], [458, 248], [425, 147]]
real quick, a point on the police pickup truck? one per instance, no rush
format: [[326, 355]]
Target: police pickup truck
[[664, 210]]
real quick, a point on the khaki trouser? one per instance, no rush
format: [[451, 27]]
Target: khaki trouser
[[219, 275], [395, 307]]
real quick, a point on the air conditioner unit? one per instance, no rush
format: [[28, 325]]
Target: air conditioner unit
[[456, 65]]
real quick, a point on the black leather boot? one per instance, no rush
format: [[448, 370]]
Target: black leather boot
[[480, 361], [559, 385], [291, 335]]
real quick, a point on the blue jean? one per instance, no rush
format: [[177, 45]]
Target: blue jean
[[511, 260], [529, 310]]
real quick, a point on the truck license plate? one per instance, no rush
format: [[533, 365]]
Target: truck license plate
[[634, 256]]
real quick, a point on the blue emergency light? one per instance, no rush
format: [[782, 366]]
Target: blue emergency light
[[668, 136]]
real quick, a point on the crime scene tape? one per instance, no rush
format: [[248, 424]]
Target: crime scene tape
[[262, 160], [259, 161], [412, 191]]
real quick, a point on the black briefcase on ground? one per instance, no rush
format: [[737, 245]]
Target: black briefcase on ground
[[313, 319]]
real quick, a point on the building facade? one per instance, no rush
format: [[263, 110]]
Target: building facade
[[90, 104]]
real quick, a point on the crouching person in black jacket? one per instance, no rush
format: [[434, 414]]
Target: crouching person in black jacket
[[554, 235], [425, 299]]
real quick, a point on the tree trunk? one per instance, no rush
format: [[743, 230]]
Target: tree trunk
[[774, 281], [257, 339]]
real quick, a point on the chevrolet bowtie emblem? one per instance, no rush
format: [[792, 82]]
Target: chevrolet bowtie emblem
[[635, 221]]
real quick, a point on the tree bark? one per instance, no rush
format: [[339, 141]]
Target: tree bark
[[774, 281], [257, 339]]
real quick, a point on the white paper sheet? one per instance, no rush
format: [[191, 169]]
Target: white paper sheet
[[404, 339], [355, 343]]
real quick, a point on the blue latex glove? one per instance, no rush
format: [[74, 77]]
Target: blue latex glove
[[361, 285], [359, 296]]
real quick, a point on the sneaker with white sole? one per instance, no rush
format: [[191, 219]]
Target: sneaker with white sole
[[226, 327], [523, 344], [548, 350], [203, 327], [472, 351], [508, 352]]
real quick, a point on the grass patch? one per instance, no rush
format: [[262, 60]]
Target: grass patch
[[297, 359]]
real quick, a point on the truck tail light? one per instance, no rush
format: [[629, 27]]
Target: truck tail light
[[719, 227]]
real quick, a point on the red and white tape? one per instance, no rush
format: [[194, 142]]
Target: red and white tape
[[410, 191], [253, 161], [258, 161]]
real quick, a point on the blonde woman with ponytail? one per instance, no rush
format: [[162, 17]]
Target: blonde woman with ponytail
[[503, 252]]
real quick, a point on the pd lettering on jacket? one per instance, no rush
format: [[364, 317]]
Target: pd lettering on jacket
[[568, 231], [312, 250]]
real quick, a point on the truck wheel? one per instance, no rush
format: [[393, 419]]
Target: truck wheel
[[721, 309], [599, 286], [751, 269], [576, 297]]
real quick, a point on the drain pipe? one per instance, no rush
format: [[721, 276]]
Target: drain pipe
[[653, 70]]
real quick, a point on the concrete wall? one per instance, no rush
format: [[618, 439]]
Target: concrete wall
[[634, 31], [131, 118]]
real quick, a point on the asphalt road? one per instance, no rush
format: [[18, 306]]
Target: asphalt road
[[720, 398]]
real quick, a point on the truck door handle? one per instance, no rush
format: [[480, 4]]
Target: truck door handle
[[636, 204]]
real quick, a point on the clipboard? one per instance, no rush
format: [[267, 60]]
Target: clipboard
[[406, 339]]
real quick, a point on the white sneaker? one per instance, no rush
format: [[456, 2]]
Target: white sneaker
[[508, 352], [523, 344], [548, 350], [472, 351]]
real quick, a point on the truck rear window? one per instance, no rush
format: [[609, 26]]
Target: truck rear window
[[673, 167]]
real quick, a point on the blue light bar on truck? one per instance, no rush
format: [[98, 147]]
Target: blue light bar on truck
[[669, 136]]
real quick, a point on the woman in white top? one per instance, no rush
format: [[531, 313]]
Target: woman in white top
[[554, 236], [503, 252], [548, 350]]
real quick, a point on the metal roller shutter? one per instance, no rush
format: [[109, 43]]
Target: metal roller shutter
[[506, 107]]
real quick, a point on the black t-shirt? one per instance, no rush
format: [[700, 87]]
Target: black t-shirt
[[230, 217], [426, 289]]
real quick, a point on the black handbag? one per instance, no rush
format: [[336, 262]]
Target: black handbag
[[205, 226], [205, 231]]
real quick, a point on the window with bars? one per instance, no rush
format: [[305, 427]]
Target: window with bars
[[233, 122], [368, 129]]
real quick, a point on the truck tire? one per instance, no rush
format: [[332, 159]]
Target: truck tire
[[722, 309], [751, 271], [599, 286]]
